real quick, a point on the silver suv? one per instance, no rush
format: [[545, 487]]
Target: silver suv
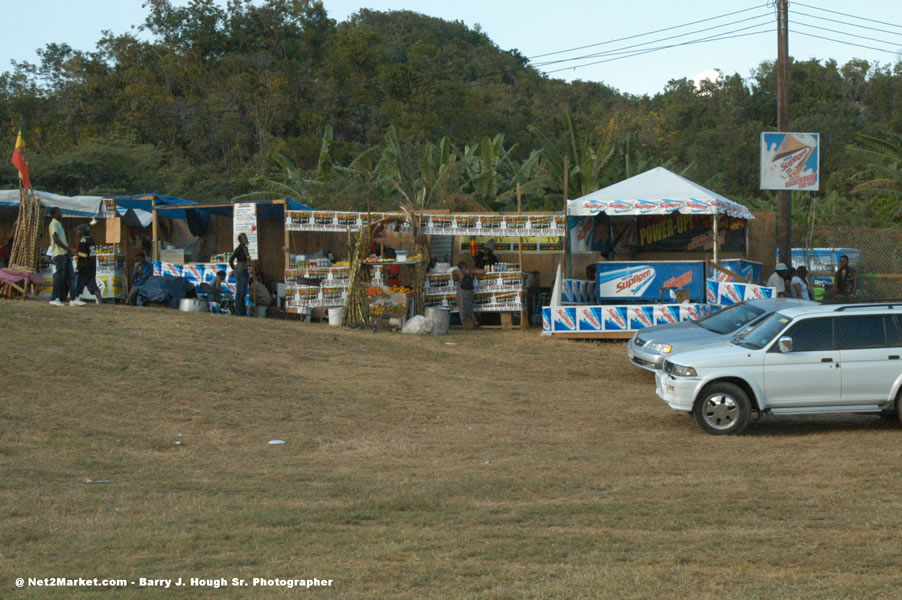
[[807, 360], [649, 347]]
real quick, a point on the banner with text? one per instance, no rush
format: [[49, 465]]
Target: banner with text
[[479, 225]]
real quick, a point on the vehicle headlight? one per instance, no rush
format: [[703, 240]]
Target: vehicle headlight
[[658, 347], [681, 371]]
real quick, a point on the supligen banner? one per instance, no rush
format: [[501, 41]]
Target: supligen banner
[[649, 281]]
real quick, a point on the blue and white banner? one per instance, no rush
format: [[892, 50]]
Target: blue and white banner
[[649, 281], [610, 318]]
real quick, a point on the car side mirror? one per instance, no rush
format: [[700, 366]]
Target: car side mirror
[[785, 344]]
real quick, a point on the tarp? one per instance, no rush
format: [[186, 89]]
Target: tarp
[[146, 202], [71, 206], [655, 192], [170, 290]]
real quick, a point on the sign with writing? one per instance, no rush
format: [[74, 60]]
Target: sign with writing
[[618, 281], [677, 232], [244, 220], [549, 226], [790, 161]]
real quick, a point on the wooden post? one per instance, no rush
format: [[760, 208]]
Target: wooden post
[[156, 230], [568, 264], [524, 314], [784, 202], [715, 218], [287, 236]]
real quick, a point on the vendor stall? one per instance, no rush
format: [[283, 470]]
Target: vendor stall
[[214, 229], [670, 228]]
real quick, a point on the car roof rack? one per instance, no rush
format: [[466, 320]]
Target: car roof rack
[[886, 304]]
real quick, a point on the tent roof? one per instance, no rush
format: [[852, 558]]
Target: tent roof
[[71, 206], [656, 192], [265, 208]]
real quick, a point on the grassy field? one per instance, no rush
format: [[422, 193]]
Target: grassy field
[[481, 464]]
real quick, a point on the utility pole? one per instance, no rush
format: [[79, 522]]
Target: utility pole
[[784, 227]]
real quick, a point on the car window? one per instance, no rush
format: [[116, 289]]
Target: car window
[[893, 330], [730, 319], [761, 334], [860, 332], [812, 335]]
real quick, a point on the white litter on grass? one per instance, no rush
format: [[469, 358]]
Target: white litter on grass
[[276, 442], [450, 344]]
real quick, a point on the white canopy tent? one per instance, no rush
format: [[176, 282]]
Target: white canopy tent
[[71, 206], [79, 206], [655, 192]]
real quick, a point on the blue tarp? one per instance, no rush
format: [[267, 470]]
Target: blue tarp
[[265, 210], [170, 290]]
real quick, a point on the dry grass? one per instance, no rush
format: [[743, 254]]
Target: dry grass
[[505, 465]]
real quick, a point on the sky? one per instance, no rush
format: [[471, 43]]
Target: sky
[[536, 28]]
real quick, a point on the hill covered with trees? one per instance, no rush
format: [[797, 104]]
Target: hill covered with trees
[[227, 101]]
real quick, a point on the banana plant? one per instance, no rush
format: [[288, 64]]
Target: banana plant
[[294, 185], [589, 164], [883, 156]]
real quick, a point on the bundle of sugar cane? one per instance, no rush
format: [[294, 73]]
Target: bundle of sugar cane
[[356, 309], [415, 218], [24, 254]]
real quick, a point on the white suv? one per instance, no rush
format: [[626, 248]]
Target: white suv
[[812, 360]]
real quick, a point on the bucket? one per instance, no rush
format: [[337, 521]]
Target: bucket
[[440, 317], [335, 316]]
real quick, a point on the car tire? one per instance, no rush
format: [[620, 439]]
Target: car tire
[[722, 409], [898, 405]]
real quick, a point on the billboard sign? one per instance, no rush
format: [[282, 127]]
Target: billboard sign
[[790, 161]]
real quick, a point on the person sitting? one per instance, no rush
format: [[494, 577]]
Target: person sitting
[[261, 295], [141, 272]]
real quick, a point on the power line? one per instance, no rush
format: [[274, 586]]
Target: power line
[[817, 27], [630, 37], [795, 12], [626, 48], [843, 42], [623, 39], [848, 15], [647, 51]]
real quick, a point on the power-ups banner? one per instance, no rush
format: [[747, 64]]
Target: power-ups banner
[[689, 233], [649, 281], [790, 161], [481, 225]]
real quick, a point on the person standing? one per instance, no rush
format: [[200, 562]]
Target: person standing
[[239, 262], [466, 293], [846, 280], [87, 264], [64, 274], [799, 285], [777, 280]]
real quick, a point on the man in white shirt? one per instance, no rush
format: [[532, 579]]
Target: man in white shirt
[[64, 274], [776, 280]]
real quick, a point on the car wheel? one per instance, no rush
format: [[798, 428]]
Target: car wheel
[[722, 409], [899, 405]]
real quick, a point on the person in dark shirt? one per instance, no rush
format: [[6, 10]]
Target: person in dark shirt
[[141, 272], [87, 264], [846, 280], [239, 261], [486, 257]]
